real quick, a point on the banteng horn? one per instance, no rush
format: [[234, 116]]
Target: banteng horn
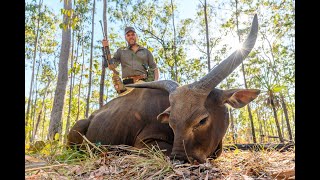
[[227, 66], [167, 85]]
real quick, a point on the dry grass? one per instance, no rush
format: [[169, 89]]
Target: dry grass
[[125, 162]]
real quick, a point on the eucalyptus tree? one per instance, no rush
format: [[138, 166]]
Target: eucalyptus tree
[[277, 53], [174, 43], [204, 5], [35, 98], [55, 125], [239, 32], [77, 21], [103, 69], [82, 16], [40, 26], [266, 80], [208, 35], [81, 75], [70, 88], [30, 30], [91, 53], [48, 78], [279, 49]]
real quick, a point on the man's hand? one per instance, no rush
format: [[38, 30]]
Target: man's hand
[[105, 43], [111, 66]]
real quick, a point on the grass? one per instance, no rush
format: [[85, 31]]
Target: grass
[[126, 162]]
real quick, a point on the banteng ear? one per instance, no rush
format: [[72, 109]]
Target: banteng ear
[[164, 116], [237, 98]]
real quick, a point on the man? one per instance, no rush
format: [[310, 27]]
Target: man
[[137, 62]]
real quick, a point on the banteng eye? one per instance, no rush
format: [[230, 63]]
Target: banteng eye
[[203, 121]]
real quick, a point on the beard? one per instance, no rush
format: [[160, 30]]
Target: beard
[[131, 42]]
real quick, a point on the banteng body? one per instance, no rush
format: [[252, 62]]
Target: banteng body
[[188, 121]]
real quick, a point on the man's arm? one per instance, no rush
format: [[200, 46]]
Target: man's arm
[[153, 65], [113, 63]]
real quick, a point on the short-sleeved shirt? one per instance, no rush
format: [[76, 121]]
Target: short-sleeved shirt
[[131, 63]]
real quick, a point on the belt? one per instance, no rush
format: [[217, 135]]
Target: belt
[[134, 79]]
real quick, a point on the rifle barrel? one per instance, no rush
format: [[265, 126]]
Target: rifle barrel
[[102, 30]]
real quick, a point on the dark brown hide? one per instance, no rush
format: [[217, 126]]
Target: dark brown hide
[[128, 120], [79, 128]]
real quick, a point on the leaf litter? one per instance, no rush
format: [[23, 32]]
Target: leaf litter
[[126, 162]]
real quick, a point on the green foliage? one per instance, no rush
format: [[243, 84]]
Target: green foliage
[[71, 155], [277, 88]]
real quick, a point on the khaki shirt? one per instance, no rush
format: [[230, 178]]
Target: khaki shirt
[[130, 63]]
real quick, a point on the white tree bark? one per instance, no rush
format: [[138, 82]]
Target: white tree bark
[[55, 125]]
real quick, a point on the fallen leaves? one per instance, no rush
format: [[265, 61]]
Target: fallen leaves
[[285, 174], [130, 163], [32, 162]]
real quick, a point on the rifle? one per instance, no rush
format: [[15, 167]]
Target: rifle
[[117, 82], [106, 53]]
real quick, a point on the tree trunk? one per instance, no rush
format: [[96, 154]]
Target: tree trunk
[[70, 92], [41, 110], [272, 133], [43, 121], [172, 72], [260, 128], [174, 46], [50, 95], [276, 117], [233, 131], [285, 111], [265, 126], [80, 82], [207, 34], [76, 60], [34, 106], [33, 66], [91, 52], [55, 125], [245, 81], [103, 69]]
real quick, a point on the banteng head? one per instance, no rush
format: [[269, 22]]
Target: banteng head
[[197, 113]]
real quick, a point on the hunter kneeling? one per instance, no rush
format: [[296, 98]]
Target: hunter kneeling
[[137, 63]]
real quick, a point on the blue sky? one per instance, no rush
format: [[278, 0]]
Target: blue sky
[[186, 8]]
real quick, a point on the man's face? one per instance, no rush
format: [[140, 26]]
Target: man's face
[[131, 38]]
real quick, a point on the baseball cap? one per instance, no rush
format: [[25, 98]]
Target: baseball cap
[[127, 29]]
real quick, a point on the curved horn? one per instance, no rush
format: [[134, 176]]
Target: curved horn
[[227, 66], [167, 85]]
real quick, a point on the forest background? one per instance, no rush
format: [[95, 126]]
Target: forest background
[[187, 39]]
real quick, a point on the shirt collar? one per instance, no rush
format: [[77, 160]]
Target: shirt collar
[[140, 47]]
